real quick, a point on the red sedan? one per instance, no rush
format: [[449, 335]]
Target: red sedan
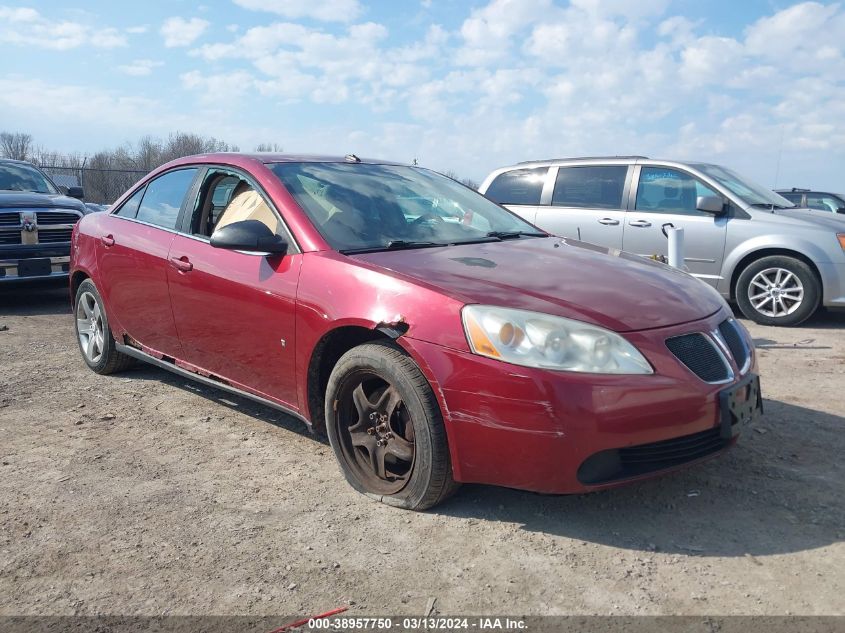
[[434, 336]]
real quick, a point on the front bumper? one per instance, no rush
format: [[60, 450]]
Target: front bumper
[[833, 282], [534, 429], [22, 270]]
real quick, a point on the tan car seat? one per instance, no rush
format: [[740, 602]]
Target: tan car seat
[[247, 204]]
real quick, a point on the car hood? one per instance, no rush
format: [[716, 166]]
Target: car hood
[[819, 218], [31, 200], [565, 278]]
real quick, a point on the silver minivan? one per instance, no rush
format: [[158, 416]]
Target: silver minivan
[[778, 262]]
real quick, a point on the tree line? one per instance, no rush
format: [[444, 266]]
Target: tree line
[[106, 174]]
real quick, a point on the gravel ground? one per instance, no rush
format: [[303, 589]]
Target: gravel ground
[[143, 493]]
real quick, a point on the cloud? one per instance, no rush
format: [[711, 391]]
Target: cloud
[[178, 31], [324, 10], [27, 27], [139, 67]]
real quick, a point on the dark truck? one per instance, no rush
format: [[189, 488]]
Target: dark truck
[[36, 220]]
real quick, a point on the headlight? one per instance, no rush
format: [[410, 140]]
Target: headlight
[[540, 340]]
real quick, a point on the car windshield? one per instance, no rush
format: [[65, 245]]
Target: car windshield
[[21, 177], [360, 207], [750, 192]]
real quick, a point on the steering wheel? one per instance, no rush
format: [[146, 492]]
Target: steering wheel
[[428, 216]]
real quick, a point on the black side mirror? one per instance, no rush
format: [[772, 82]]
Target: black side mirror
[[76, 192], [710, 204], [249, 235]]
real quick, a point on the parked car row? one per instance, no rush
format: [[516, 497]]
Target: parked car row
[[778, 262]]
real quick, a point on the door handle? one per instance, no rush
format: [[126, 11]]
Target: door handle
[[107, 240], [640, 223], [181, 264], [609, 221]]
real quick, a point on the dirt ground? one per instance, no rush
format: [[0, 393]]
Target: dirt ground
[[143, 493]]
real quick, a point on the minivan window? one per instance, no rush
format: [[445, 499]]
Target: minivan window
[[518, 186], [163, 198], [749, 191], [598, 187], [666, 190]]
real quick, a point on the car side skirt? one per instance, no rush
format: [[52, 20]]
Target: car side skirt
[[209, 382]]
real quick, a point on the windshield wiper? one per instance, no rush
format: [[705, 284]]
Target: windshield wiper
[[396, 244], [770, 206], [510, 235], [392, 245]]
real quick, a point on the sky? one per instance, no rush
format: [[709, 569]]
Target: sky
[[461, 86]]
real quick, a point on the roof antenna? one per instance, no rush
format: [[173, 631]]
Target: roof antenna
[[352, 158]]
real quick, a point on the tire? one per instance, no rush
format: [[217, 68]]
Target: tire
[[778, 290], [93, 333], [376, 393]]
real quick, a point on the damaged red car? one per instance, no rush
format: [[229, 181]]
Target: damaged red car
[[434, 336]]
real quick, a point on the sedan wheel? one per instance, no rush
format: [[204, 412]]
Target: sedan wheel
[[89, 327], [379, 444], [93, 333], [385, 427]]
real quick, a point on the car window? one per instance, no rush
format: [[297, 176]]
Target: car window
[[794, 198], [129, 209], [824, 202], [163, 198], [518, 186], [590, 186], [666, 190], [246, 203]]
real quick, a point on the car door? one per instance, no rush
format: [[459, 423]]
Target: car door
[[587, 203], [132, 261], [667, 196], [519, 190], [235, 312]]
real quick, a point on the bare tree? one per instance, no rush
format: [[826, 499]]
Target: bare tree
[[469, 182], [15, 145], [268, 147]]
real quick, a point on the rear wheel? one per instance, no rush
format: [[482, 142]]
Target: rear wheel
[[386, 430], [778, 290], [93, 333]]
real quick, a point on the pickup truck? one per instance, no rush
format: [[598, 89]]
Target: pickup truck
[[36, 221]]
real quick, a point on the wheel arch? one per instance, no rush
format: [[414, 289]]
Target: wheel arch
[[324, 356]]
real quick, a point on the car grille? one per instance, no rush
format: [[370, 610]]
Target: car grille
[[634, 461], [730, 332], [708, 355], [699, 353], [56, 217], [53, 227], [53, 236]]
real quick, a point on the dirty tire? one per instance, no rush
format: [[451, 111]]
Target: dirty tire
[[378, 385], [757, 276], [108, 360]]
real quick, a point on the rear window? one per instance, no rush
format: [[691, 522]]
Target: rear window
[[518, 186], [592, 187]]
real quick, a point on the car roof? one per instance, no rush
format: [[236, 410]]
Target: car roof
[[273, 157]]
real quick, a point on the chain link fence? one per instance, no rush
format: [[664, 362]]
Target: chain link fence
[[102, 186]]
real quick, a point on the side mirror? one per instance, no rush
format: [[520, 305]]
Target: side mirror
[[710, 204], [76, 192], [249, 235]]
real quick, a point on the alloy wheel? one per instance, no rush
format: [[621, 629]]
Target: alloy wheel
[[776, 292], [89, 327], [376, 433]]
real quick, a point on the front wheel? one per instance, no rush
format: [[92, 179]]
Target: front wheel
[[778, 290], [386, 429]]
